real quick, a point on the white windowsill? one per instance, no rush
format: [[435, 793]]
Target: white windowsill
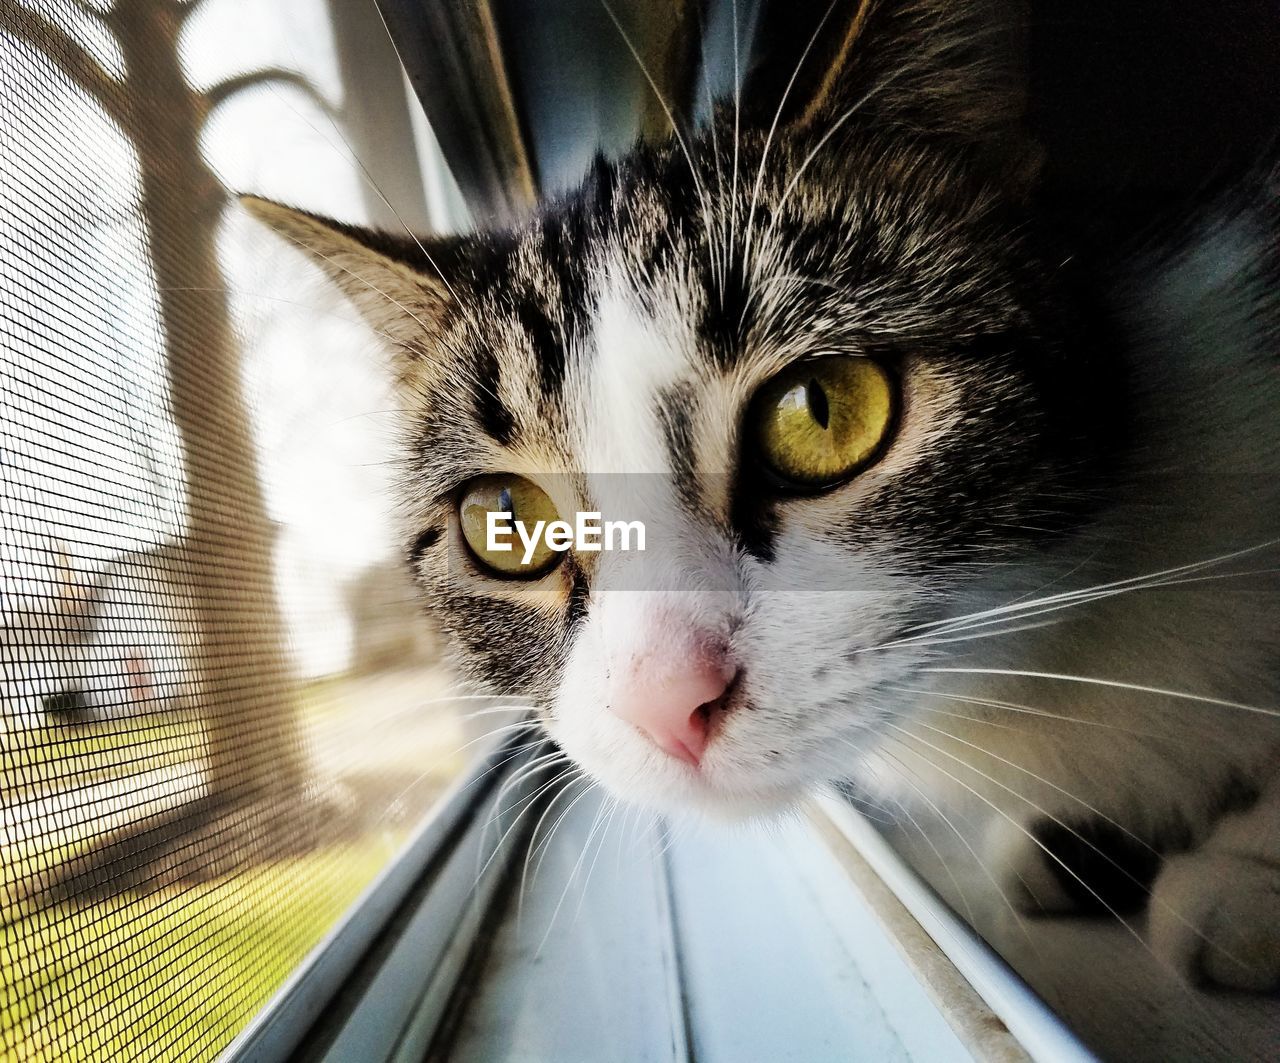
[[809, 940]]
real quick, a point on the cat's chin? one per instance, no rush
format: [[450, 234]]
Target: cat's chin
[[693, 794], [735, 806], [732, 788]]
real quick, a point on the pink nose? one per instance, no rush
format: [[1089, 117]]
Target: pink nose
[[674, 704]]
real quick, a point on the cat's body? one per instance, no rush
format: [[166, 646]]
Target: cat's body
[[1079, 804], [1080, 462]]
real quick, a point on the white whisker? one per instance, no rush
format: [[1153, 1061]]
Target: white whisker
[[737, 136], [1092, 809], [923, 641], [1018, 826], [533, 836], [773, 127], [573, 874], [721, 226], [1117, 684], [671, 119], [1022, 605], [367, 175], [816, 150], [1153, 898], [1015, 707], [523, 805], [982, 864], [612, 804]]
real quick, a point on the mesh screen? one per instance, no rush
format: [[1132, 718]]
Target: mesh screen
[[219, 715]]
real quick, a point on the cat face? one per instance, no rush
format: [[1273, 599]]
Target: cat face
[[839, 392]]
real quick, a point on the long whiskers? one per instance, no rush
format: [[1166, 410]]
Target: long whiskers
[[1017, 826], [1137, 688], [1136, 582], [429, 772], [367, 175], [904, 772], [737, 136], [1090, 808], [923, 641], [564, 791], [245, 293], [613, 805], [945, 864], [722, 230], [537, 766], [1013, 706], [1068, 600], [834, 128], [573, 873]]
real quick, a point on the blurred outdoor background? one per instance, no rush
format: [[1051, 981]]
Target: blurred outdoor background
[[221, 712]]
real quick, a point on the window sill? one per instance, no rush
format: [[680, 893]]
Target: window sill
[[807, 940]]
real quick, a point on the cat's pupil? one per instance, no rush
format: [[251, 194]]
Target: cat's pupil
[[505, 504], [818, 406]]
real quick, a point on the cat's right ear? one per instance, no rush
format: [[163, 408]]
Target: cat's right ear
[[395, 282], [951, 70]]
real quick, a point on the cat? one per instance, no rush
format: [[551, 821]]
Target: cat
[[940, 509]]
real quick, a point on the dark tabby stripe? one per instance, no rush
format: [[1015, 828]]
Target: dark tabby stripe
[[424, 542], [494, 417], [548, 349], [675, 410]]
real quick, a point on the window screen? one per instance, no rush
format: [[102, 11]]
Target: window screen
[[219, 712]]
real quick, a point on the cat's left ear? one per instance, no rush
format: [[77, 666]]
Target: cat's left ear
[[394, 281]]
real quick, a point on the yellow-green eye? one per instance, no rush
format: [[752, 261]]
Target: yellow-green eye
[[528, 504], [819, 421]]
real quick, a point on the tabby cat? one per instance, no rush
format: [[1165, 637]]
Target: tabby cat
[[938, 509]]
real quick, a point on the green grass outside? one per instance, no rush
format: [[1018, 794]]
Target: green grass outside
[[175, 975], [40, 760]]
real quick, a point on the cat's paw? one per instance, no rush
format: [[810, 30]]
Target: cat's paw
[[1215, 917], [1057, 867]]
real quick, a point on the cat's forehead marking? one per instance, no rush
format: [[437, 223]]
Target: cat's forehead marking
[[640, 351]]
